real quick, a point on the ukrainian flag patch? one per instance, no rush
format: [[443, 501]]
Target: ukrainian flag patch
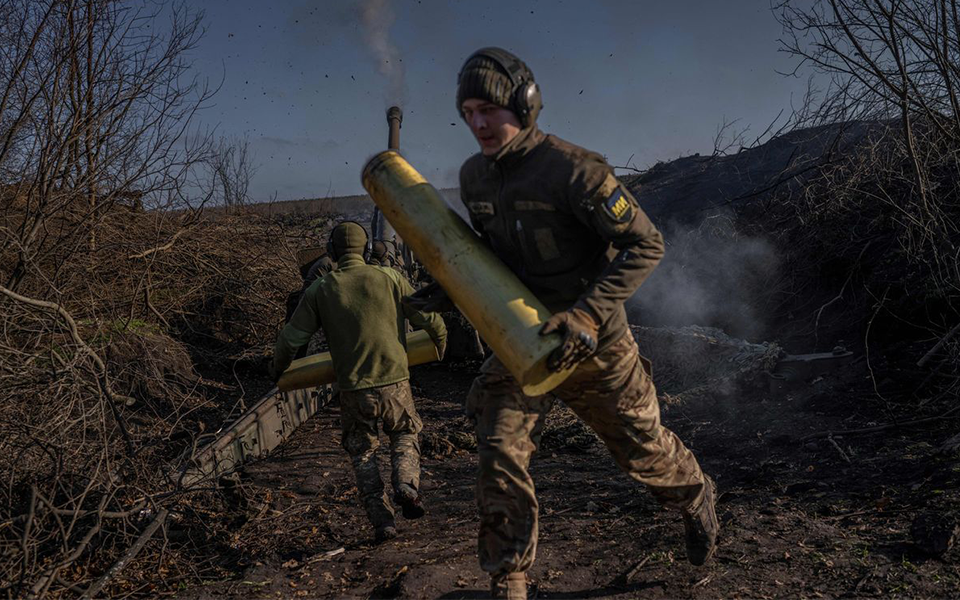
[[618, 206]]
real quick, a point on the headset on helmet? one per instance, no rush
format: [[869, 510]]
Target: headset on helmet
[[525, 101]]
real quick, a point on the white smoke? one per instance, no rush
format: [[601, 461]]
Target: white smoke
[[378, 17], [712, 275]]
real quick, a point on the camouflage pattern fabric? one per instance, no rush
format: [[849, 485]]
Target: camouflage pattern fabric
[[360, 411], [613, 393], [556, 216]]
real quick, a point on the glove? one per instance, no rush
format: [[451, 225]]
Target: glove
[[579, 330], [430, 298]]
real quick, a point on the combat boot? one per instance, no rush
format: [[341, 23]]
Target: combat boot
[[385, 532], [701, 527], [511, 586], [409, 501]]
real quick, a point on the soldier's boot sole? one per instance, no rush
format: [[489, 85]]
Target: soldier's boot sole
[[702, 527]]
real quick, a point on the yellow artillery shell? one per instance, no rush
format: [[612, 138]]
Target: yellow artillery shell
[[504, 311], [317, 370]]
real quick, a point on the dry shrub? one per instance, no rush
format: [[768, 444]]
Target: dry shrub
[[107, 311], [862, 247], [149, 365], [223, 286], [217, 287], [84, 473], [881, 226]]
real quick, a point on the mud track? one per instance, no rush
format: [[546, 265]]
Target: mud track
[[800, 518]]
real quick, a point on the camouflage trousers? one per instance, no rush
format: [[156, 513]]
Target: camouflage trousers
[[360, 411], [613, 393]]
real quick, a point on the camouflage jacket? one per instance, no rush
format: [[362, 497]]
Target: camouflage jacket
[[557, 216]]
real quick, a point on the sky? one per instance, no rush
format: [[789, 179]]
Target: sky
[[308, 82]]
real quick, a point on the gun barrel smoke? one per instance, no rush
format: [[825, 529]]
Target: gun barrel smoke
[[378, 17]]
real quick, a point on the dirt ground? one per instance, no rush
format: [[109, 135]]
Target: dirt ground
[[846, 516]]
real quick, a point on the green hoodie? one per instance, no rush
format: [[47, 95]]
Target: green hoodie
[[358, 305]]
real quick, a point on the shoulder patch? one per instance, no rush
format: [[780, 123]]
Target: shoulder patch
[[614, 206], [618, 206], [616, 203]]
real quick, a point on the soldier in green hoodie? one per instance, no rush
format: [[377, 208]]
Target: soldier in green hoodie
[[358, 306]]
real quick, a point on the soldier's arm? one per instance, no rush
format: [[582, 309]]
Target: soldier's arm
[[318, 269], [430, 322], [606, 206], [298, 330]]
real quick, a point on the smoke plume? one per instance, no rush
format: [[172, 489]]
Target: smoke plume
[[711, 276], [378, 17]]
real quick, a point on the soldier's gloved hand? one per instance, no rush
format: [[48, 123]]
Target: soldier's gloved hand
[[579, 330], [430, 298]]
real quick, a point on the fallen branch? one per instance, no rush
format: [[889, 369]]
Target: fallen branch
[[635, 569], [325, 555], [66, 512], [75, 335], [52, 572], [156, 249], [834, 443], [867, 511], [935, 349], [878, 428], [128, 556]]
